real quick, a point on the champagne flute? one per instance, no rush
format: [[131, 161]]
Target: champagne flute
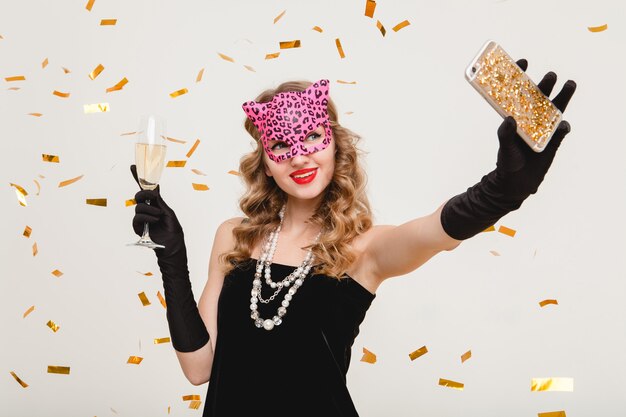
[[150, 160]]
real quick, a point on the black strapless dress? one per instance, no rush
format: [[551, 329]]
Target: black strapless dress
[[298, 368]]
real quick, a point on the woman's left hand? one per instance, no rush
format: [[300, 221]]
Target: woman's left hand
[[521, 167]]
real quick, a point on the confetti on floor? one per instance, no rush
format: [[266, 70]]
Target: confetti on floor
[[466, 356]]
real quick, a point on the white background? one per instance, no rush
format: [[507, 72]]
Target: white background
[[428, 135]]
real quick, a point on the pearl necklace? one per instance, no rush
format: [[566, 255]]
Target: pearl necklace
[[296, 278]]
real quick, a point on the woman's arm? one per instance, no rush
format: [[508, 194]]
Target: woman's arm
[[197, 365], [394, 251]]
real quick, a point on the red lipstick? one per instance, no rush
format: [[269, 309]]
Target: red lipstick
[[306, 179]]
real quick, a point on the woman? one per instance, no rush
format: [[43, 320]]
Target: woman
[[291, 282]]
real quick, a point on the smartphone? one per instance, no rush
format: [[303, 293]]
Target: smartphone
[[498, 78]]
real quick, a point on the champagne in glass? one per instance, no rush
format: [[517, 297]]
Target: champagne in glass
[[150, 160]]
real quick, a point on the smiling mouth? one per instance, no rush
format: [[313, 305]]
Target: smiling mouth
[[304, 177]]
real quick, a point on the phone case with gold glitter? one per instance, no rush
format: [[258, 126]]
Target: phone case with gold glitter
[[512, 93]]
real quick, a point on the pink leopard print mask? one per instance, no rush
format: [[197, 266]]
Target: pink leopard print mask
[[289, 118]]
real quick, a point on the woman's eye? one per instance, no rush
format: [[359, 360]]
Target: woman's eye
[[313, 136], [277, 146]]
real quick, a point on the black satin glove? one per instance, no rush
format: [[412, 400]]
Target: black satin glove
[[518, 174], [187, 329]]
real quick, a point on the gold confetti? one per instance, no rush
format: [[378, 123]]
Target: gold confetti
[[368, 356], [44, 63], [70, 181], [494, 253], [199, 76], [195, 405], [27, 231], [15, 78], [38, 186], [277, 18], [19, 381], [102, 202], [128, 133], [451, 384], [161, 299], [162, 340], [108, 22], [21, 194], [168, 409], [193, 148], [505, 230], [381, 28], [546, 302], [41, 176], [490, 229], [96, 108], [63, 370], [198, 172], [35, 114], [13, 88], [552, 414], [50, 158], [249, 68], [144, 299], [176, 140], [93, 74], [552, 384], [89, 4], [65, 70], [231, 172], [349, 112], [466, 356], [118, 86], [370, 6], [419, 352], [135, 360], [290, 44], [317, 28], [35, 250], [52, 325], [346, 82], [61, 94], [176, 164], [339, 48], [179, 93], [272, 56], [147, 274], [401, 25], [226, 57], [598, 28], [131, 202], [27, 312], [193, 397], [57, 273], [200, 187]]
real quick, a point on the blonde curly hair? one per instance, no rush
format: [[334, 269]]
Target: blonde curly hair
[[343, 214]]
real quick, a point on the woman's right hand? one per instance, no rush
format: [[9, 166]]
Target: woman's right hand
[[165, 228]]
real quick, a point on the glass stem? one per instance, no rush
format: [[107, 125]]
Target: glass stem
[[146, 232]]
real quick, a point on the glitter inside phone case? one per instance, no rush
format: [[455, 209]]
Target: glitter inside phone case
[[512, 93]]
